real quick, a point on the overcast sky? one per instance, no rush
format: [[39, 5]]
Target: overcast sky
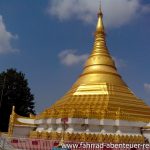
[[50, 40]]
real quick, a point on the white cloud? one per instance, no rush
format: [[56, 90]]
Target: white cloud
[[116, 12], [120, 63], [6, 38], [147, 87], [70, 58]]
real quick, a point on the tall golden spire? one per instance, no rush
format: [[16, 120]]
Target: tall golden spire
[[100, 66], [99, 91], [100, 26], [100, 42]]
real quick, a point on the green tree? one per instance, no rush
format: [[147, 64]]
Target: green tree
[[14, 91]]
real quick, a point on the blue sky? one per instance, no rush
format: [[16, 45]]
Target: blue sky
[[49, 41]]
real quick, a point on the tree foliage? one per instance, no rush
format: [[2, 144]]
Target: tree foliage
[[14, 91]]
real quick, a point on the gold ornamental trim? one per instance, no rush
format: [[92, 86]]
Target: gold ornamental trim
[[83, 137]]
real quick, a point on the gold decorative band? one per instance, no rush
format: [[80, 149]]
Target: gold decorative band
[[83, 137]]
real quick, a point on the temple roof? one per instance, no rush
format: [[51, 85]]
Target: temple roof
[[99, 92]]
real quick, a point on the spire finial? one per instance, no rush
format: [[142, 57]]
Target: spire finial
[[100, 9], [100, 26]]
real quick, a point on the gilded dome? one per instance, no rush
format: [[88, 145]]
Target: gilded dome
[[99, 92]]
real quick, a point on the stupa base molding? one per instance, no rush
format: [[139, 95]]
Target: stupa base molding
[[80, 125], [84, 137]]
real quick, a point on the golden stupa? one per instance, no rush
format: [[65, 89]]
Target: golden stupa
[[98, 108], [99, 92]]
